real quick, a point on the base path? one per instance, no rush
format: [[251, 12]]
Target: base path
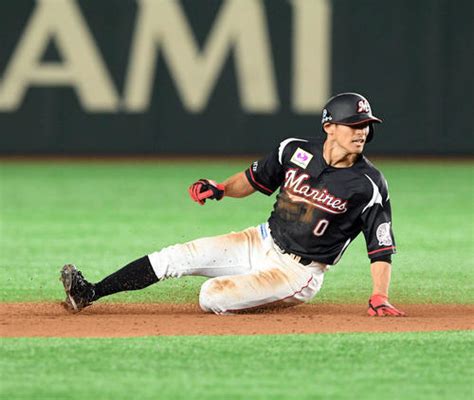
[[126, 320]]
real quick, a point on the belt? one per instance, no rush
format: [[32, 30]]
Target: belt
[[305, 261], [302, 260]]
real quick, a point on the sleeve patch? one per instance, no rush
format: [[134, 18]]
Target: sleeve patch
[[383, 234]]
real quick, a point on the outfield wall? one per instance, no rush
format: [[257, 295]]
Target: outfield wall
[[230, 76]]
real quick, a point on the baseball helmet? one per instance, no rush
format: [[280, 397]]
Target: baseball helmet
[[349, 109]]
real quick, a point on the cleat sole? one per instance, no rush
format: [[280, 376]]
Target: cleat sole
[[66, 278]]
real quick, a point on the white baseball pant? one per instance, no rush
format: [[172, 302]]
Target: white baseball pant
[[248, 269]]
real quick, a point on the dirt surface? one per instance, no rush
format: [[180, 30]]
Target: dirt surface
[[126, 320]]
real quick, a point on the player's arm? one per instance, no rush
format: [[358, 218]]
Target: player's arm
[[264, 175], [238, 186], [377, 228], [378, 302], [381, 273], [235, 186]]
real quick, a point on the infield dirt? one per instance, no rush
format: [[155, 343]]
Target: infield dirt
[[140, 319]]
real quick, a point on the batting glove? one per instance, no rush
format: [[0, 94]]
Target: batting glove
[[205, 189], [380, 307]]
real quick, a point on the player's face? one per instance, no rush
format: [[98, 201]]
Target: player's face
[[351, 138]]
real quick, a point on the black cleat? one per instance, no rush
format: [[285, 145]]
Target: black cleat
[[79, 292]]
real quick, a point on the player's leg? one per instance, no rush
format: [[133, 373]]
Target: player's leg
[[214, 256], [80, 293], [228, 254], [278, 284]]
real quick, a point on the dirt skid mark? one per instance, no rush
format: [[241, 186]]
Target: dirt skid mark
[[271, 277], [219, 285], [126, 320]]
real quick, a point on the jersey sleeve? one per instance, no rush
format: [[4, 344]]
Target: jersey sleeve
[[266, 175], [377, 222]]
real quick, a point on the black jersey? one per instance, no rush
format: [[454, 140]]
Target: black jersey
[[320, 209]]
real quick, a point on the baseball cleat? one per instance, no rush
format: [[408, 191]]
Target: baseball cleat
[[79, 292]]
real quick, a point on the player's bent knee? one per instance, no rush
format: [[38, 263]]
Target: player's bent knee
[[309, 291], [210, 299], [207, 300]]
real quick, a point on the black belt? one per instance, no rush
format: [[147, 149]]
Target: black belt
[[302, 260], [305, 261]]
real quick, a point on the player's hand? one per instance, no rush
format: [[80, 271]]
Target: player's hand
[[380, 307], [205, 189]]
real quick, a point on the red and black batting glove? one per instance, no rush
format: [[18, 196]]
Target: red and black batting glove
[[380, 307], [205, 189]]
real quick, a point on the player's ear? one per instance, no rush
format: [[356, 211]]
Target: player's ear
[[328, 128]]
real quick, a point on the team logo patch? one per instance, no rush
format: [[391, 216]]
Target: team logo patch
[[301, 158], [383, 234], [363, 106]]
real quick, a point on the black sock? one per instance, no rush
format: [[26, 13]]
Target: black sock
[[134, 276]]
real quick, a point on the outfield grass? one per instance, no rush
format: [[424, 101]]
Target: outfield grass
[[355, 366], [102, 215]]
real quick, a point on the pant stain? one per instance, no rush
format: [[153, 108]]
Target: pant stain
[[220, 285], [271, 277]]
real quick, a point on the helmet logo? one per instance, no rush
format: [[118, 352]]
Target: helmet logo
[[363, 106], [326, 117]]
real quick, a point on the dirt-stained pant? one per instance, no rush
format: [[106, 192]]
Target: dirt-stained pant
[[248, 269]]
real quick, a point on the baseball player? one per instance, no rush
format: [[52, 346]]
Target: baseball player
[[328, 193]]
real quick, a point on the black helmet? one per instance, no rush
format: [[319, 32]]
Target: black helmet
[[349, 109]]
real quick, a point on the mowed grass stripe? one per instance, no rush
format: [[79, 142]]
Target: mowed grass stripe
[[370, 366], [103, 215]]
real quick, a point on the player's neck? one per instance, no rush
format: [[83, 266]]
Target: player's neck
[[338, 157]]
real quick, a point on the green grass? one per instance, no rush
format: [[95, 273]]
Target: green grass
[[100, 216], [344, 366]]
